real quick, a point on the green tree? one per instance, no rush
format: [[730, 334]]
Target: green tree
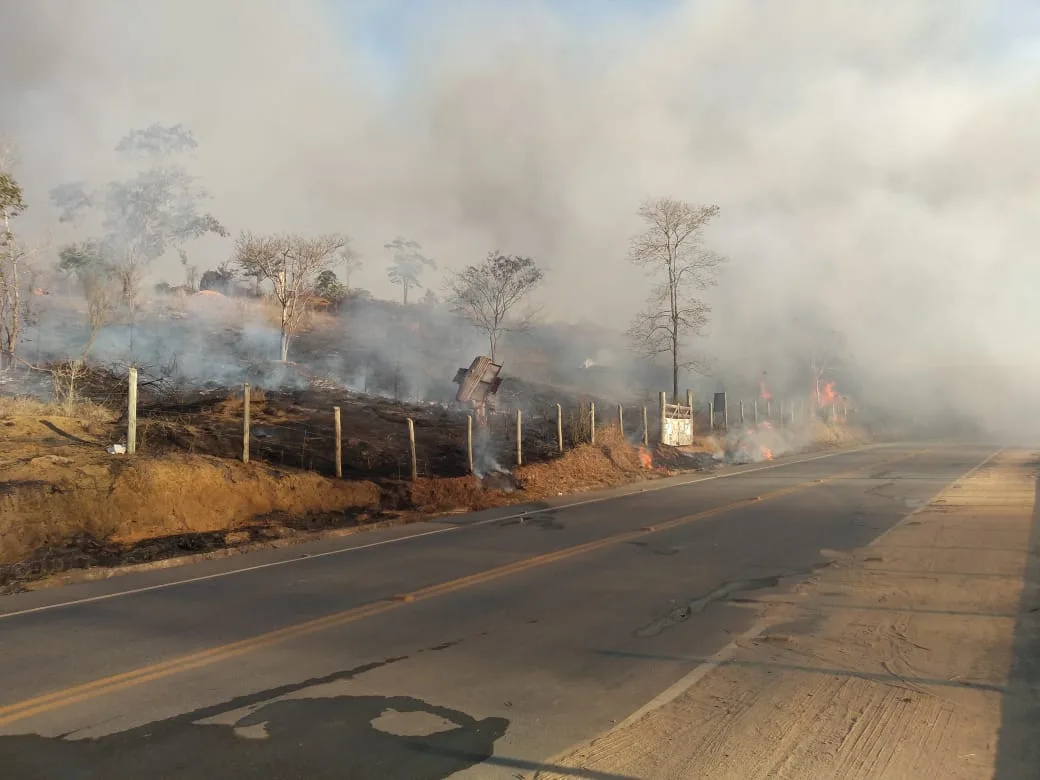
[[330, 288], [220, 279]]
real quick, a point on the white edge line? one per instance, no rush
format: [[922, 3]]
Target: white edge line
[[396, 540], [927, 504], [670, 693], [677, 689]]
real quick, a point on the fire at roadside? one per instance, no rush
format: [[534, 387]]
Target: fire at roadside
[[753, 444]]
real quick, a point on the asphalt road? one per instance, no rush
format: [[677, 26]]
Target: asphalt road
[[476, 646]]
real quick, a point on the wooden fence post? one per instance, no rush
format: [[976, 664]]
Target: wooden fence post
[[646, 432], [664, 414], [711, 417], [741, 406], [519, 438], [131, 414], [559, 429], [592, 422], [339, 441], [411, 449], [469, 441], [621, 419], [245, 423], [756, 411]]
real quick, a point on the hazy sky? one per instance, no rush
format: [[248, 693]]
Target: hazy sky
[[875, 160]]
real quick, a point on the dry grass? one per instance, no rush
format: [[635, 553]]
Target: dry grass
[[17, 407], [433, 496], [836, 435], [233, 405], [610, 461]]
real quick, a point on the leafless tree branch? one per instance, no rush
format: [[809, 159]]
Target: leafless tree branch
[[671, 247]]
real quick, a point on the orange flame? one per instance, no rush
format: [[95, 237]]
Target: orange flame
[[645, 458], [767, 453], [827, 394]]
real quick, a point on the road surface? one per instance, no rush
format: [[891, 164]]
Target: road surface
[[484, 646]]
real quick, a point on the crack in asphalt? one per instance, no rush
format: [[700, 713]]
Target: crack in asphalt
[[686, 611], [876, 491]]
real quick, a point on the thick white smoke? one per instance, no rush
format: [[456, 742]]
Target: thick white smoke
[[874, 161]]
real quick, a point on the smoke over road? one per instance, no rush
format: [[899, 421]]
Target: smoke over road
[[873, 160]]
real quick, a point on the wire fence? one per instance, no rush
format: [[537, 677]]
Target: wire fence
[[391, 440]]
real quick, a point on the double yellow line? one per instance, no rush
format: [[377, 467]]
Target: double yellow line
[[49, 702]]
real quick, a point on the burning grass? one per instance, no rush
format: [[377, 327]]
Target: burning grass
[[765, 441]]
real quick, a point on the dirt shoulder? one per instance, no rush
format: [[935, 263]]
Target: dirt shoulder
[[905, 674]]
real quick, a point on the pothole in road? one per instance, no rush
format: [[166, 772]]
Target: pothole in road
[[411, 724], [256, 731]]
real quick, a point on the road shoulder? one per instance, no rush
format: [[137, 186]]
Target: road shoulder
[[892, 662]]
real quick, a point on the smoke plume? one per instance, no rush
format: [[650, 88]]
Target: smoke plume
[[874, 161]]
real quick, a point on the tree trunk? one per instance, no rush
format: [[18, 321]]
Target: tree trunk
[[492, 340], [675, 368], [404, 286], [16, 314], [10, 329], [285, 345]]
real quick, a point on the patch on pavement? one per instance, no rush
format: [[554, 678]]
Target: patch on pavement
[[389, 737]]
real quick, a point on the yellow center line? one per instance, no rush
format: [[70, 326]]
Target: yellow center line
[[65, 697]]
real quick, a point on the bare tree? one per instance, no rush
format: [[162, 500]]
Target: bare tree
[[292, 264], [485, 294], [12, 257], [671, 248], [408, 265]]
